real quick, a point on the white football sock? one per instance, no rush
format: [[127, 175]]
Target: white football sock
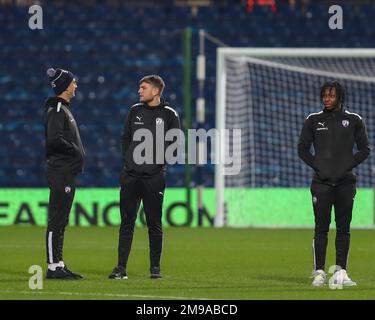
[[53, 266]]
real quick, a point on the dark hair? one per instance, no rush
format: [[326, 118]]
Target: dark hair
[[154, 80], [340, 90]]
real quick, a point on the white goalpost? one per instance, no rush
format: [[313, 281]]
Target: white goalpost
[[267, 93]]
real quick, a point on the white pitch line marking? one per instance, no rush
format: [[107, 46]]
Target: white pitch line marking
[[123, 295]]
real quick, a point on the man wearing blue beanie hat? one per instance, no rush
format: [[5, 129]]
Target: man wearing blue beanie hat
[[65, 158], [60, 79]]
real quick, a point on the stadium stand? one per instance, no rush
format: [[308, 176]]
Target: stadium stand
[[111, 52]]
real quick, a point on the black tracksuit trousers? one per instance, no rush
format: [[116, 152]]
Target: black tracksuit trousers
[[341, 197], [150, 191], [62, 189]]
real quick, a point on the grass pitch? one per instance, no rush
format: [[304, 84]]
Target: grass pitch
[[197, 263]]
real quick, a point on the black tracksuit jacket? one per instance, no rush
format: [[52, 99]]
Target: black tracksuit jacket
[[333, 135], [142, 116], [64, 149]]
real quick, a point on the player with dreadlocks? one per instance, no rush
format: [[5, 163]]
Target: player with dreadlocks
[[333, 133]]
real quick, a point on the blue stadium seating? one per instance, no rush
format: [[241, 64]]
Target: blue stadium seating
[[110, 49]]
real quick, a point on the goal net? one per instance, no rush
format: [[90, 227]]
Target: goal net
[[267, 93]]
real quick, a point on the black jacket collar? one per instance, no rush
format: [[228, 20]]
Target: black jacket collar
[[162, 104], [53, 102], [341, 110]]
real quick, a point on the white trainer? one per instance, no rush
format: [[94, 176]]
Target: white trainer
[[319, 277], [341, 277]]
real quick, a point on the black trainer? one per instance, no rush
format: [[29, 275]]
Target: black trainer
[[72, 274], [118, 273], [59, 273], [155, 273]]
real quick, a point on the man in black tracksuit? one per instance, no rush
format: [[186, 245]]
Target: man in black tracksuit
[[65, 154], [333, 133], [144, 180]]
